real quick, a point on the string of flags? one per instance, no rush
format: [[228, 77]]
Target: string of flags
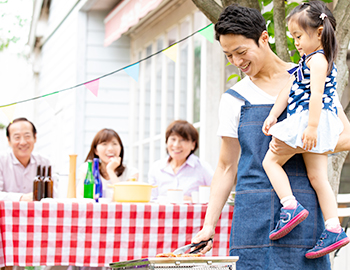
[[93, 85]]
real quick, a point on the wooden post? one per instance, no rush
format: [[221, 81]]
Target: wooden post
[[72, 176]]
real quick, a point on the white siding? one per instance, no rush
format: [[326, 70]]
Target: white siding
[[56, 126], [110, 109], [75, 54]]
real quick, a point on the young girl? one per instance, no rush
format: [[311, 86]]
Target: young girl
[[311, 123]]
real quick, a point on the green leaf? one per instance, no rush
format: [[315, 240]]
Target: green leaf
[[268, 16], [271, 29], [228, 63], [290, 6], [266, 2], [234, 76], [290, 43], [273, 47], [295, 56]]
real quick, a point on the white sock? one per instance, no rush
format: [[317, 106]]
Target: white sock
[[289, 202], [333, 224]]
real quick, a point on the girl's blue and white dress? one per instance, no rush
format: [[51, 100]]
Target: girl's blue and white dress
[[292, 128]]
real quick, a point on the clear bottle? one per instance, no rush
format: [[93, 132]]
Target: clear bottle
[[37, 185], [48, 184], [97, 179], [89, 182]]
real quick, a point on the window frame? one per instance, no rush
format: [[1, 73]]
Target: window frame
[[138, 141]]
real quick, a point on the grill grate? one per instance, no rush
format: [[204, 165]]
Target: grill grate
[[178, 263], [194, 267]]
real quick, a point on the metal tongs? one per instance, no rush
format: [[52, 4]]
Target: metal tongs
[[200, 246]]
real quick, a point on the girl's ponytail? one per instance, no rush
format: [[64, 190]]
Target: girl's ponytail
[[328, 41]]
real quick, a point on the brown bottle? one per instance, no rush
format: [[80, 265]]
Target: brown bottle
[[37, 186], [43, 175], [48, 184]]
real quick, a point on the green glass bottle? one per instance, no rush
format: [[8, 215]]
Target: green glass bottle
[[89, 182]]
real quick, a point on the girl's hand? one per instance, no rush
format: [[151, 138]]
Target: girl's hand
[[269, 122], [113, 163], [309, 138]]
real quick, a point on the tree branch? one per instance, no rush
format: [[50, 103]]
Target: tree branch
[[212, 10], [226, 3], [280, 30], [209, 8], [248, 3]]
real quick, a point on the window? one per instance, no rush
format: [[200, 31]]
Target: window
[[166, 90]]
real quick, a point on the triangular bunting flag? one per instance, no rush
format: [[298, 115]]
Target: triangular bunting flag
[[51, 99], [93, 86], [9, 111], [171, 52], [208, 33], [133, 71]]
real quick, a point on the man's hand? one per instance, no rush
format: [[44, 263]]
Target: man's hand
[[269, 122], [280, 148], [205, 234], [27, 197]]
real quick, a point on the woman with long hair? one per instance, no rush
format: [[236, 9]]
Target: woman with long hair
[[108, 147]]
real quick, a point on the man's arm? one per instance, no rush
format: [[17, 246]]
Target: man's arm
[[221, 186], [280, 148], [14, 196], [28, 197], [11, 196], [344, 138]]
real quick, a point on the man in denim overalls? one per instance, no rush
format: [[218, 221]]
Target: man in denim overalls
[[243, 37]]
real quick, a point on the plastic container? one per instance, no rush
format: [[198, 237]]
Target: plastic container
[[131, 191]]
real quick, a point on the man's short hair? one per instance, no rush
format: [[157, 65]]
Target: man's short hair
[[238, 20], [21, 119]]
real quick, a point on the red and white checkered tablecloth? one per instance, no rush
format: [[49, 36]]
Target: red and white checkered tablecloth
[[92, 234]]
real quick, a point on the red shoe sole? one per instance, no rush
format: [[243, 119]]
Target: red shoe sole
[[325, 251], [291, 225]]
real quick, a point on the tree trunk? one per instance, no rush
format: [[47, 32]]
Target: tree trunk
[[341, 14], [209, 8], [279, 15]]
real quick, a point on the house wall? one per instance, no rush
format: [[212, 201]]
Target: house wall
[[215, 87], [205, 74], [111, 108], [73, 55], [55, 115]]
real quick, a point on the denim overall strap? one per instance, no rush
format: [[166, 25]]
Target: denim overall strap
[[239, 96], [257, 206]]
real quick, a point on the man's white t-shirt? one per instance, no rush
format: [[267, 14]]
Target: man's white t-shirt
[[230, 106]]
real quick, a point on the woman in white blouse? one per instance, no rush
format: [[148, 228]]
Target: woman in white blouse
[[108, 147]]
